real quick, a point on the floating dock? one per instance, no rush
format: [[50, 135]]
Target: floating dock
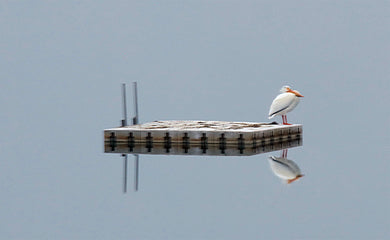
[[202, 138]]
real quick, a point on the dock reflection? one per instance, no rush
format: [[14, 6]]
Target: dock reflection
[[281, 166]]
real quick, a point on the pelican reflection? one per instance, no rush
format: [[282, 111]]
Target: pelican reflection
[[284, 168]]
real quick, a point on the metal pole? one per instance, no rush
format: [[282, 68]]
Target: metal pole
[[135, 121], [124, 121], [136, 118]]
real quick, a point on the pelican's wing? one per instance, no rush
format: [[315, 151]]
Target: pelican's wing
[[280, 103]]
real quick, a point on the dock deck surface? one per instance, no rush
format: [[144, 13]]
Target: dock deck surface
[[201, 138]]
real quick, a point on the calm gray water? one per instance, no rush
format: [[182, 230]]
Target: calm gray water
[[61, 67]]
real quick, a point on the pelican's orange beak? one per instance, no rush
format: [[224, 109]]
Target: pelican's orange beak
[[295, 92], [294, 179]]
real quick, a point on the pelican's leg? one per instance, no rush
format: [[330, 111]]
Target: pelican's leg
[[285, 120]]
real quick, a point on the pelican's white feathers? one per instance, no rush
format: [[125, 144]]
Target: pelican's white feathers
[[282, 104]]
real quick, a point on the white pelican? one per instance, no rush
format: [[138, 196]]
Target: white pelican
[[285, 169], [284, 103]]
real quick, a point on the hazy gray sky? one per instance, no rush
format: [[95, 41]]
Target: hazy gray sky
[[61, 66]]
